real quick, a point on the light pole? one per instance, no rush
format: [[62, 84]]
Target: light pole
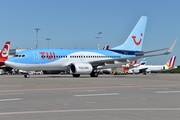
[[48, 41], [98, 39], [37, 37]]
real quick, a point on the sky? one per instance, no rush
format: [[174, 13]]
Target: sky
[[76, 24]]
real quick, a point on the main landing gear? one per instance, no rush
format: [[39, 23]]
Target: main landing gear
[[94, 73], [26, 75], [76, 75]]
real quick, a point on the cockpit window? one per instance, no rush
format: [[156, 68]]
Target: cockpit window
[[15, 55], [19, 55]]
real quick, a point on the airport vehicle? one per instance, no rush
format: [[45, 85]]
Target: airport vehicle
[[85, 61], [4, 53], [143, 68]]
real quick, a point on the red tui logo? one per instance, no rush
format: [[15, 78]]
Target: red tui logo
[[137, 42]]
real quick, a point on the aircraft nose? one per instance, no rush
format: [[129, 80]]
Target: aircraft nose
[[8, 63]]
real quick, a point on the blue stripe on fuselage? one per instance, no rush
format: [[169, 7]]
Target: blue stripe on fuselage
[[127, 52]]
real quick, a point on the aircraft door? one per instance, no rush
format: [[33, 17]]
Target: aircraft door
[[163, 67], [36, 57]]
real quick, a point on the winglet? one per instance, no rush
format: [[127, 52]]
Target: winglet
[[171, 47]]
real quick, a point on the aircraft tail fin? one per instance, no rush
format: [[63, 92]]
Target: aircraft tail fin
[[133, 62], [170, 63], [106, 47], [5, 52], [143, 62], [135, 39]]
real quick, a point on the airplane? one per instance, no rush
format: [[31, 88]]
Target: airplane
[[127, 68], [116, 71], [155, 68], [86, 61], [4, 53], [134, 63]]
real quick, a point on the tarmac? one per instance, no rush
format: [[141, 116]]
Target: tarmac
[[107, 97]]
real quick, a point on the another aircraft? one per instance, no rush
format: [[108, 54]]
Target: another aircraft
[[126, 68], [106, 47], [155, 68], [86, 61], [4, 53], [129, 66]]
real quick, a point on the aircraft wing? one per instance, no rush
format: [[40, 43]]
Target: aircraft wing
[[151, 51], [169, 50], [128, 59], [142, 70], [109, 61]]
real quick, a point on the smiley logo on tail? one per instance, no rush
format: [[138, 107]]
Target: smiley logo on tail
[[137, 42]]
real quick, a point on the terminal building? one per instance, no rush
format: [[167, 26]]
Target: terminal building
[[12, 52]]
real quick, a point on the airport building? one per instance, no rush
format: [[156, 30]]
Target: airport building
[[12, 52]]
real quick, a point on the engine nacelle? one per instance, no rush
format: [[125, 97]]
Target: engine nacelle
[[81, 68]]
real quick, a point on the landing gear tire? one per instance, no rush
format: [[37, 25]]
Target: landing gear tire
[[26, 76], [94, 74], [144, 73], [76, 75]]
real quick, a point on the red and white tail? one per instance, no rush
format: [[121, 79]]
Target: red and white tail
[[171, 62], [106, 47], [5, 52], [133, 62], [143, 62]]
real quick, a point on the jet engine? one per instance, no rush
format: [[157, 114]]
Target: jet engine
[[80, 68]]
